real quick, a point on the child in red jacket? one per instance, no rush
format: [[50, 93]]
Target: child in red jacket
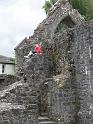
[[37, 50]]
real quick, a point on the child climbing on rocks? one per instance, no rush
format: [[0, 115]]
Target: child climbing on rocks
[[37, 50]]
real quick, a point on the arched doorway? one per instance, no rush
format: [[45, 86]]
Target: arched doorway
[[43, 100]]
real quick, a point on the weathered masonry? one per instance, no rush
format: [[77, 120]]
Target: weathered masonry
[[57, 86], [61, 17]]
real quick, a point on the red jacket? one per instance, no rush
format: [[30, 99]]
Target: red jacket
[[38, 49]]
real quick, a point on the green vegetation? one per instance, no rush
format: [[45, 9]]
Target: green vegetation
[[85, 7], [48, 4], [12, 60]]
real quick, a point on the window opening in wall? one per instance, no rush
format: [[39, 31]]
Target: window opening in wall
[[65, 24], [3, 68]]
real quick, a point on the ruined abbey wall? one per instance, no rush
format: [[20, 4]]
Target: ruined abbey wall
[[83, 47], [74, 104], [65, 71], [6, 80], [63, 91], [45, 30], [58, 82]]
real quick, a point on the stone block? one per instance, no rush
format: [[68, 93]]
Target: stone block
[[5, 122]]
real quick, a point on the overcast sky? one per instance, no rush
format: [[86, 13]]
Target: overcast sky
[[18, 19]]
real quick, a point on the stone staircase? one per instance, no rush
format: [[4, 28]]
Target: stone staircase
[[17, 97], [43, 119]]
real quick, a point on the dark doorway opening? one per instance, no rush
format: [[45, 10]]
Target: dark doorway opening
[[43, 100]]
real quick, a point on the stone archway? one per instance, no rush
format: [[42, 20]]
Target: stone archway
[[66, 23]]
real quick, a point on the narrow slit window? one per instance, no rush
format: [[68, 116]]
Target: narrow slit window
[[3, 68]]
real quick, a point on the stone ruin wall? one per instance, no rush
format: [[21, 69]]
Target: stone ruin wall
[[18, 104], [22, 97], [69, 77], [6, 80], [39, 70], [62, 90], [45, 31], [70, 84], [82, 51], [75, 104]]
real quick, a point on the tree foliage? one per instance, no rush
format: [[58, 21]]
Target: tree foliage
[[85, 7], [12, 60], [48, 4], [53, 1]]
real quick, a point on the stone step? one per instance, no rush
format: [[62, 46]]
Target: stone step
[[32, 106], [4, 122], [11, 87], [48, 122], [44, 114], [4, 106], [42, 119], [45, 120]]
